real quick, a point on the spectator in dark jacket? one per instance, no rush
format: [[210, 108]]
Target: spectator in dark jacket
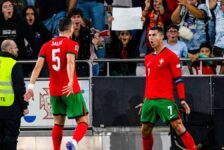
[[36, 34], [11, 26], [83, 36], [12, 104], [123, 46]]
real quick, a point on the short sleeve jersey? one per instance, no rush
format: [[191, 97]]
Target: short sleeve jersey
[[55, 52], [162, 70]]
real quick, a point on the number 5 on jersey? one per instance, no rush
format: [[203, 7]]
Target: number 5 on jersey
[[56, 59]]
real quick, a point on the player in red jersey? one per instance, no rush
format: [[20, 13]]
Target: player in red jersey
[[162, 69], [65, 93]]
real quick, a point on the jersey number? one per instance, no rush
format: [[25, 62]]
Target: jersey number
[[171, 110], [56, 59]]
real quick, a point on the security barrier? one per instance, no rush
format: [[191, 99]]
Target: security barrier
[[112, 102]]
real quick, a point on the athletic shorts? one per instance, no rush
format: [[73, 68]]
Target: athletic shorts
[[73, 106], [153, 110]]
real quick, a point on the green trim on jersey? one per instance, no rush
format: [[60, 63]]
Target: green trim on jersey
[[164, 109], [73, 106], [42, 56]]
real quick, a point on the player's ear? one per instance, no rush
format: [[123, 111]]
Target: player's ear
[[161, 36]]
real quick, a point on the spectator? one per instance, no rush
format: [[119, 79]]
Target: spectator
[[155, 13], [83, 36], [94, 10], [51, 11], [218, 10], [99, 50], [19, 4], [172, 42], [208, 67], [123, 47], [35, 31], [12, 104], [11, 26], [194, 16], [36, 34]]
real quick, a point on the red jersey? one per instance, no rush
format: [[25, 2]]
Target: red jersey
[[162, 70], [54, 53]]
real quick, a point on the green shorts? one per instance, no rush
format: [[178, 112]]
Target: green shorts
[[73, 106], [164, 109]]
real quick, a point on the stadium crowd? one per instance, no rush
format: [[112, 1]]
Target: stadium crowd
[[193, 30]]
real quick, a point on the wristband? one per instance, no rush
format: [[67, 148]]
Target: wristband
[[30, 86]]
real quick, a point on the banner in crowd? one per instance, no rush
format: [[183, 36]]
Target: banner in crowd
[[127, 19], [40, 114]]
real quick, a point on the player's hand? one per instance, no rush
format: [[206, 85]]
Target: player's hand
[[186, 107], [25, 111], [29, 94], [140, 108], [68, 89]]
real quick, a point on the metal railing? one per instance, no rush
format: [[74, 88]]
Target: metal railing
[[137, 60]]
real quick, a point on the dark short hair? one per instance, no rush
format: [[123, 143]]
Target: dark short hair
[[75, 11], [64, 24], [34, 10], [172, 26], [206, 45], [158, 28]]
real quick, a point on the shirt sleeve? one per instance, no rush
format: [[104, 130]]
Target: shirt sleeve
[[42, 52], [177, 75], [73, 48]]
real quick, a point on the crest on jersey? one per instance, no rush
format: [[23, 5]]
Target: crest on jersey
[[45, 103], [161, 61], [76, 48]]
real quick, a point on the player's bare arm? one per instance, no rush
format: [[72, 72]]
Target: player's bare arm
[[186, 107], [68, 89], [35, 74]]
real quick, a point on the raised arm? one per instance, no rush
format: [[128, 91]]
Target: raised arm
[[212, 4], [197, 13], [175, 17], [146, 9], [71, 4]]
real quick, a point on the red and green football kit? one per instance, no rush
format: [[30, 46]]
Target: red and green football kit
[[55, 52], [162, 71]]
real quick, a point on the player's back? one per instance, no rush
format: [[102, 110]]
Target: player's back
[[55, 52]]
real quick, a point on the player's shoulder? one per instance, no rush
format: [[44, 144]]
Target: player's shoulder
[[169, 53], [47, 44], [148, 56]]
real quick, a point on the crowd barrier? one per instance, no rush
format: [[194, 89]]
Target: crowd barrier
[[112, 100]]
